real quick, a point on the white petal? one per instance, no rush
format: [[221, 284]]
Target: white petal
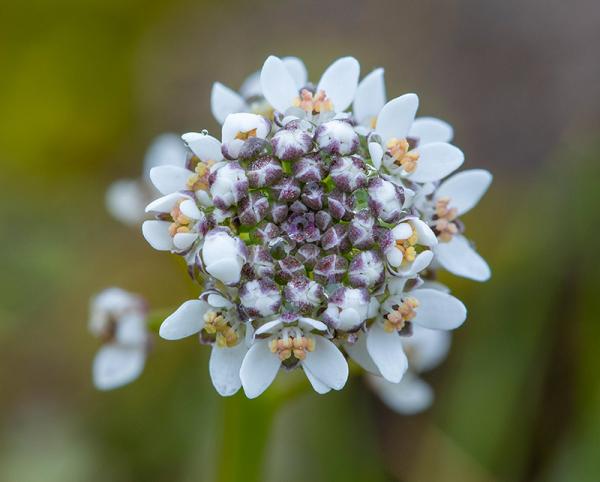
[[376, 153], [166, 149], [427, 347], [131, 330], [259, 368], [224, 368], [436, 160], [227, 270], [125, 201], [225, 101], [170, 179], [165, 204], [312, 324], [183, 241], [157, 235], [188, 208], [438, 310], [218, 301], [430, 129], [339, 82], [277, 84], [116, 365], [426, 236], [412, 395], [268, 327], [394, 256], [297, 70], [387, 353], [327, 363], [187, 320], [458, 257], [421, 262], [402, 231], [317, 384], [206, 147], [242, 122], [465, 189], [396, 117], [396, 285], [358, 352], [251, 86], [349, 318], [370, 97]]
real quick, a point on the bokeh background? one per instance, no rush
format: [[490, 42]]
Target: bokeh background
[[85, 86]]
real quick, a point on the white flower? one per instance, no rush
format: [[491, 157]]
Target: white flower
[[454, 197], [401, 253], [293, 342], [427, 162], [348, 308], [240, 127], [223, 255], [334, 93], [381, 350], [425, 350], [207, 154], [225, 101], [186, 226], [228, 184], [119, 319], [126, 198], [216, 319], [370, 98]]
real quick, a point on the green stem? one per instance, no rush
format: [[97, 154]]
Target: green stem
[[246, 430]]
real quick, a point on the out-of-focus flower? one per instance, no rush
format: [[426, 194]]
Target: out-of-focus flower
[[425, 350], [118, 318], [127, 198]]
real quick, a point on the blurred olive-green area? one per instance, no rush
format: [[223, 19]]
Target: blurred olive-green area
[[85, 86]]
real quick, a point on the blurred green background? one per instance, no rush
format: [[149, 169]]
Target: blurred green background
[[85, 86]]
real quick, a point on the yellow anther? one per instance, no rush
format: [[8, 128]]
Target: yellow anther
[[181, 223], [373, 122], [313, 104], [245, 135], [216, 324], [406, 246], [199, 180], [296, 346], [395, 320], [400, 151], [445, 216]]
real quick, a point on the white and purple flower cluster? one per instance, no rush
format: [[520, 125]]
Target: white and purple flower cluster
[[315, 227]]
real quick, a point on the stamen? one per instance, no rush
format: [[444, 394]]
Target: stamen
[[313, 104], [403, 156], [216, 324], [395, 320], [295, 346], [444, 224], [406, 246], [199, 180], [245, 135], [181, 223]]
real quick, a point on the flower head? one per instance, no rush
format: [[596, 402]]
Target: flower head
[[314, 230]]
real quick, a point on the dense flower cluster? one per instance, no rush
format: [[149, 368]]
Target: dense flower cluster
[[315, 227]]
